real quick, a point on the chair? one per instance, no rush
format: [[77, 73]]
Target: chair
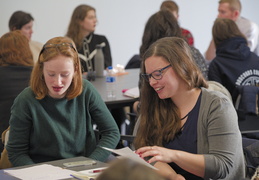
[[134, 62], [215, 86], [251, 154], [247, 107], [127, 140], [4, 161], [247, 100]]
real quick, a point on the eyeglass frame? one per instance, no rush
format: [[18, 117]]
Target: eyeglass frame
[[56, 45], [160, 71]]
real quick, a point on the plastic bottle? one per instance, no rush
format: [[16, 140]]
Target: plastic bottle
[[110, 83], [99, 61]]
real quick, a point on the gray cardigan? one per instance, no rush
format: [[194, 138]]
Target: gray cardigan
[[219, 137]]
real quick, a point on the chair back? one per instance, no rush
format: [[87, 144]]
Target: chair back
[[4, 161], [215, 86]]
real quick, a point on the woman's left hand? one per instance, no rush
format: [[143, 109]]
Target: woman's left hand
[[158, 153]]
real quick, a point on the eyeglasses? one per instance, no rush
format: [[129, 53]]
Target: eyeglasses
[[157, 74], [50, 45]]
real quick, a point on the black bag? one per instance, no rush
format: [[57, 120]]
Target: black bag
[[246, 102], [251, 154]]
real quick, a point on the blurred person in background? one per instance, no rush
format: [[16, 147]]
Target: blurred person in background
[[24, 21], [234, 65], [81, 30], [16, 64], [231, 9], [127, 169], [174, 8]]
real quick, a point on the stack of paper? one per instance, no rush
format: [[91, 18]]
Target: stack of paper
[[40, 172], [128, 153]]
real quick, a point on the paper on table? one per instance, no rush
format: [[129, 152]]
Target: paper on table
[[133, 92], [89, 174], [128, 153], [40, 172]]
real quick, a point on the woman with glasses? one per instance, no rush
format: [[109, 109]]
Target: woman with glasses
[[81, 29], [53, 118], [187, 130]]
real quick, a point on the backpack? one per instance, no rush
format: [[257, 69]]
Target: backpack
[[246, 102], [251, 154]]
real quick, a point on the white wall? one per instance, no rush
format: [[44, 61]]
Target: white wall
[[121, 21]]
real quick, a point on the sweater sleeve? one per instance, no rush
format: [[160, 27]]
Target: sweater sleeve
[[20, 126], [107, 127], [222, 145]]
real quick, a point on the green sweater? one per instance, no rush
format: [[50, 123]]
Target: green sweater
[[52, 129]]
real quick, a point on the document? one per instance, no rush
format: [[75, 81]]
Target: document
[[128, 153], [89, 174], [133, 92], [40, 172]]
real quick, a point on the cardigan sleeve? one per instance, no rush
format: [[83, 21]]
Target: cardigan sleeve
[[219, 138]]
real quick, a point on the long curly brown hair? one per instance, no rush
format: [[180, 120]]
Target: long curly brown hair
[[160, 118]]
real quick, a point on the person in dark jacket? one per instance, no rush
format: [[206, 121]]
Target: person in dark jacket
[[234, 64]]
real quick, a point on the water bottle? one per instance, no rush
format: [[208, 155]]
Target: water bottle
[[99, 61], [110, 84]]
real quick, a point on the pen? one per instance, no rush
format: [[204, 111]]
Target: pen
[[97, 171], [79, 177], [75, 177]]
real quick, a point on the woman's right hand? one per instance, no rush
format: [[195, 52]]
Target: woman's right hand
[[158, 154]]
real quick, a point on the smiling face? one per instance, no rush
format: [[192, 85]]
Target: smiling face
[[27, 30], [58, 75], [170, 83], [89, 22]]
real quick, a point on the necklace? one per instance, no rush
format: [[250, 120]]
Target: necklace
[[86, 45], [185, 116], [90, 39]]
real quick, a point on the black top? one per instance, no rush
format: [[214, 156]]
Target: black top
[[93, 40], [186, 140], [13, 79]]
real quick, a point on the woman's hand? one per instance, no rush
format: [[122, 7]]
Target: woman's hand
[[193, 163], [158, 153], [164, 155]]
